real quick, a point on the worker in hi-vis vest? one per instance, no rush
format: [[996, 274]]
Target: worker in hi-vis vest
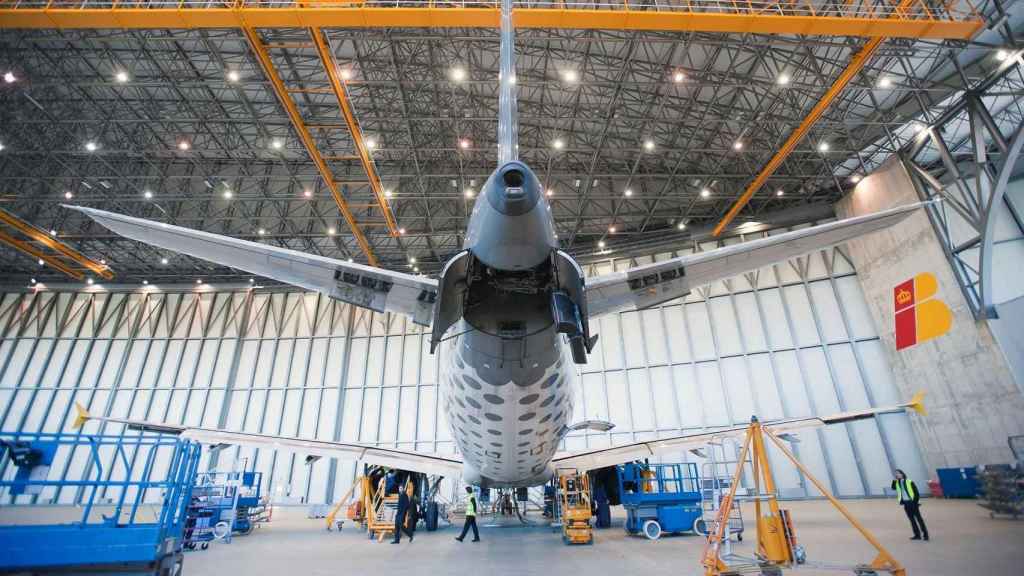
[[910, 498], [470, 517]]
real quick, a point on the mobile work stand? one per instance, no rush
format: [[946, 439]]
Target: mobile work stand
[[776, 537]]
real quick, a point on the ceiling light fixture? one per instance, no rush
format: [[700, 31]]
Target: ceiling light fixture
[[884, 82], [307, 193], [550, 192], [234, 76], [600, 243], [823, 147], [1002, 55], [558, 144], [121, 76], [627, 192], [681, 226], [458, 74], [277, 144], [464, 144], [371, 143], [68, 195], [88, 281], [9, 77], [184, 145], [705, 193], [783, 79], [388, 193], [855, 178], [228, 194], [346, 74], [611, 229], [649, 145], [678, 77], [147, 195], [91, 146], [570, 76], [331, 231], [779, 193], [164, 261], [401, 230], [737, 145], [469, 193]]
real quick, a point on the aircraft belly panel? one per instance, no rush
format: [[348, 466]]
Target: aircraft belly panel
[[507, 416]]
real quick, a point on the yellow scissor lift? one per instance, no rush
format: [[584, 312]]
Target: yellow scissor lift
[[575, 507], [776, 537]]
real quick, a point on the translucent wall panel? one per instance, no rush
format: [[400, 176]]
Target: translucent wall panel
[[786, 341]]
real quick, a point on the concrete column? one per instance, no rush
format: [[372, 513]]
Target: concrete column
[[972, 398]]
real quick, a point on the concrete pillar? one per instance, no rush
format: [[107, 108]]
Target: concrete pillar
[[972, 398]]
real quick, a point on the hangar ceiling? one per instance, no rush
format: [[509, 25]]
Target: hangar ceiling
[[632, 131]]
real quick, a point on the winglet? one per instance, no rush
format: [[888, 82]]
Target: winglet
[[917, 403], [81, 416]]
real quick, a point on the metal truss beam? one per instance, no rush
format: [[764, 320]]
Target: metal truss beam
[[53, 244], [307, 140], [865, 19]]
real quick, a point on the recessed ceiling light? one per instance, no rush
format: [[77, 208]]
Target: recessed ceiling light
[[570, 76], [681, 226], [277, 144], [600, 244], [783, 79], [705, 193], [346, 74], [371, 143], [234, 76], [307, 193], [68, 195], [464, 144], [228, 194], [679, 77], [649, 145], [9, 77], [401, 230], [611, 229], [779, 193], [823, 147], [147, 195], [184, 145], [331, 231], [884, 82], [458, 74], [163, 261], [737, 145], [558, 144], [469, 193], [91, 146], [1002, 55], [627, 192], [855, 178], [121, 76]]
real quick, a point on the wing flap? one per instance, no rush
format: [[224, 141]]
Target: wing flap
[[656, 283], [374, 288]]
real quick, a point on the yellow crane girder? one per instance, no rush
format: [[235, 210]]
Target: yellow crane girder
[[865, 19]]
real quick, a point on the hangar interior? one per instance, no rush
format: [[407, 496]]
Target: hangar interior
[[368, 137]]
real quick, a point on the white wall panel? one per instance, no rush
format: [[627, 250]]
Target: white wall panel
[[299, 364]]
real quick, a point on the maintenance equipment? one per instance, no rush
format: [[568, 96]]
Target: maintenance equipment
[[660, 498], [227, 503], [132, 493], [776, 538], [575, 506], [716, 480]]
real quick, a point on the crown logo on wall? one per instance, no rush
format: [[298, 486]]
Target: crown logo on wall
[[903, 297]]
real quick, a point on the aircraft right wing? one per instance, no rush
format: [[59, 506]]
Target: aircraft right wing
[[653, 284], [374, 288], [604, 457]]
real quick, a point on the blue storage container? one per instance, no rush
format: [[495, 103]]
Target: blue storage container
[[959, 482]]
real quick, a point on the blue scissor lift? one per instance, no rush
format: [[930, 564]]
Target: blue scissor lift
[[132, 493], [660, 498]]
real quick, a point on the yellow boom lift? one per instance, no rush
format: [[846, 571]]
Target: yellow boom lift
[[574, 494]]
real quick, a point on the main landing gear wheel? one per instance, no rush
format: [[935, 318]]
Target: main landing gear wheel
[[652, 530]]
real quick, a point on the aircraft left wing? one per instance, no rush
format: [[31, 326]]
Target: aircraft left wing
[[374, 288], [656, 283], [389, 457], [604, 457]]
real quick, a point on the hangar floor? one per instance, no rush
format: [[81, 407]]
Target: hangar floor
[[964, 541]]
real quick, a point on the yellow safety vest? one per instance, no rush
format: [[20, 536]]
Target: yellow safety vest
[[910, 492], [471, 507]]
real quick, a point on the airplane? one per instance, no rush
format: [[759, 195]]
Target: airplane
[[513, 313]]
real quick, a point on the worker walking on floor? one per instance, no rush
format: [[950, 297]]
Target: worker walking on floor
[[910, 498], [404, 504], [470, 517]]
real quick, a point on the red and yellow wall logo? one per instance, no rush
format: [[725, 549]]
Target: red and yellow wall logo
[[919, 317]]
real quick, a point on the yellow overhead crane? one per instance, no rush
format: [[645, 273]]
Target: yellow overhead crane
[[880, 18]]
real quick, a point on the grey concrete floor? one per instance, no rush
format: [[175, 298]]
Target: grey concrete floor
[[964, 541]]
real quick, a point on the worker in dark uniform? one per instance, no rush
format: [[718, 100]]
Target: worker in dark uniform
[[910, 499], [470, 517], [404, 503]]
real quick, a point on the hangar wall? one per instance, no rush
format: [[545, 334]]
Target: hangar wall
[[790, 340], [974, 397]]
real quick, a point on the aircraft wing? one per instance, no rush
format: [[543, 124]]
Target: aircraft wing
[[374, 288], [604, 457], [656, 283], [389, 457]]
